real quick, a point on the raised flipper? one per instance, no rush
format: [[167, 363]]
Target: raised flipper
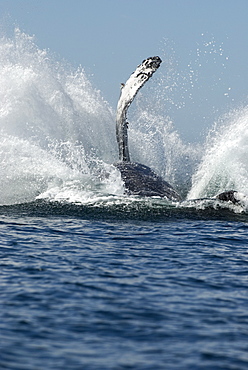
[[137, 79]]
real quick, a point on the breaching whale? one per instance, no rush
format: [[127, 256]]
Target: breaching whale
[[140, 179]]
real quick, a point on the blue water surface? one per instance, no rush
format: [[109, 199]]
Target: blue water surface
[[91, 293]]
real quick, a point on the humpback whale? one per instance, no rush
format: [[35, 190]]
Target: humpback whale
[[138, 179]]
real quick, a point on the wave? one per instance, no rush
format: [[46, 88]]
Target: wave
[[114, 209]]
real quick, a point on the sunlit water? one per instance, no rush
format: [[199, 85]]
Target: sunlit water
[[91, 278]]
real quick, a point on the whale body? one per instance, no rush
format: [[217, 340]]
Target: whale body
[[138, 179]]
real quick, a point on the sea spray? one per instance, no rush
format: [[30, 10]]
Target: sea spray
[[53, 123], [46, 100], [58, 134], [224, 165]]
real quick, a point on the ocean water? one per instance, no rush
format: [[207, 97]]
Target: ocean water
[[91, 278]]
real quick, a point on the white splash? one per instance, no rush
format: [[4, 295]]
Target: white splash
[[54, 126], [58, 135], [225, 163]]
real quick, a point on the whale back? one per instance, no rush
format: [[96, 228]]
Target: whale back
[[142, 180]]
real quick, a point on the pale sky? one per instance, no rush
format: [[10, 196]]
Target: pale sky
[[203, 44]]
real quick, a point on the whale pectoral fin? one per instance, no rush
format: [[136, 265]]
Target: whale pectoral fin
[[128, 92]]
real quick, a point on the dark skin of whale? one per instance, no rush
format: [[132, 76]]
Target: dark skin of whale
[[143, 181]]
